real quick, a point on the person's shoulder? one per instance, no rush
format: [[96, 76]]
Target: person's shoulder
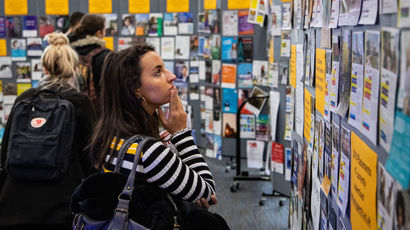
[[26, 94]]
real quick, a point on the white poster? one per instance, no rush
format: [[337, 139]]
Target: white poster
[[388, 85], [167, 48], [371, 85], [247, 126], [230, 23], [334, 14], [315, 202], [403, 19], [344, 171], [334, 83], [254, 152], [356, 87], [154, 41], [286, 16], [36, 69], [5, 67], [182, 47], [403, 100], [386, 197], [299, 110], [276, 14], [388, 6], [369, 12], [326, 114], [274, 101]]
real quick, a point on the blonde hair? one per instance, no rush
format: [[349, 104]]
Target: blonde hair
[[60, 61]]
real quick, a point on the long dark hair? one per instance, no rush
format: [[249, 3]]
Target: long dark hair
[[122, 113], [88, 25]]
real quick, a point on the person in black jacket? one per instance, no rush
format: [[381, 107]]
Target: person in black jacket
[[45, 204], [87, 38]]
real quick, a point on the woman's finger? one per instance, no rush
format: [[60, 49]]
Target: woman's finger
[[161, 116]]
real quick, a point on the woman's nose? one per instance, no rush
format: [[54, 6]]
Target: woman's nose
[[170, 76]]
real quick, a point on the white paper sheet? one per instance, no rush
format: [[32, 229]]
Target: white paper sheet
[[404, 18], [274, 101], [299, 108], [254, 153], [167, 48], [356, 89], [371, 85], [334, 83], [230, 23], [334, 15], [386, 197], [369, 12], [388, 6]]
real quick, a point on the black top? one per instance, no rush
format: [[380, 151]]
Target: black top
[[48, 202]]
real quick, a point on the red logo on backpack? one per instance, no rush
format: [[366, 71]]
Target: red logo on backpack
[[38, 122]]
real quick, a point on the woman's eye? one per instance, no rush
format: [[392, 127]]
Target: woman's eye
[[157, 72]]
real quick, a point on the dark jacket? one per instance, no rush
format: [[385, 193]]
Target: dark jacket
[[83, 46], [48, 202]]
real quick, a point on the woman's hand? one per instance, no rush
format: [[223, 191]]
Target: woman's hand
[[205, 204], [177, 117]]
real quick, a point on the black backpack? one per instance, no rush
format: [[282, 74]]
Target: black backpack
[[41, 137]]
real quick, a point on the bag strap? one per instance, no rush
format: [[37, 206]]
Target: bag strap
[[124, 148], [120, 218]]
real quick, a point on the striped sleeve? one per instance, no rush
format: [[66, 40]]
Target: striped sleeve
[[186, 176]]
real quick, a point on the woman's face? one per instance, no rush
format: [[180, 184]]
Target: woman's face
[[156, 81]]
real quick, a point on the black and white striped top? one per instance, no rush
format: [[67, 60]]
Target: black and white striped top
[[185, 175]]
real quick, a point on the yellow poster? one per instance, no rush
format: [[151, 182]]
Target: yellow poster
[[138, 6], [15, 7], [210, 4], [109, 42], [320, 80], [100, 6], [363, 185], [308, 117], [238, 4], [1, 86], [177, 6], [57, 7], [3, 47], [292, 66], [271, 53], [21, 87]]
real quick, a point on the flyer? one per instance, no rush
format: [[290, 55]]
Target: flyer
[[245, 75], [244, 27], [216, 72], [334, 14], [286, 16], [254, 150], [356, 90], [261, 130], [182, 47], [29, 26], [127, 25], [285, 44], [276, 19], [185, 23], [277, 157], [141, 24], [215, 46], [386, 196], [168, 48], [335, 155], [229, 48], [388, 85], [155, 24], [273, 75], [369, 12], [170, 23], [194, 43], [371, 85], [344, 80], [36, 69], [23, 71], [229, 125], [334, 82], [388, 7], [230, 101], [230, 23], [5, 67], [14, 26], [18, 49], [259, 72], [228, 79], [344, 171], [403, 98], [255, 105], [247, 126], [111, 25], [403, 15], [288, 160], [274, 102], [243, 94], [245, 49]]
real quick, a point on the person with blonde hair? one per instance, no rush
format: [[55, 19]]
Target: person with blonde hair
[[45, 204]]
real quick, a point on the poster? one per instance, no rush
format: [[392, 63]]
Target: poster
[[127, 25], [344, 171], [229, 48], [289, 112], [245, 49], [276, 19], [254, 152], [182, 47], [57, 7], [255, 105], [356, 89], [243, 94], [36, 69], [3, 27], [349, 12], [299, 108], [185, 23], [238, 4], [228, 79], [170, 23], [388, 7], [328, 80], [277, 157], [334, 14], [216, 72], [345, 72], [273, 75], [259, 72], [218, 147], [398, 161], [288, 161], [334, 82], [100, 6], [274, 103], [230, 23], [363, 182], [320, 80], [229, 100], [386, 195], [155, 24], [334, 175], [308, 106], [292, 66], [29, 26], [5, 67], [18, 49], [156, 43], [257, 11], [286, 16], [285, 44], [403, 98], [210, 4], [167, 48], [209, 151], [177, 5], [245, 75], [15, 7], [369, 12], [209, 22], [244, 27], [138, 6], [262, 124], [388, 84], [403, 16], [15, 26], [247, 126]]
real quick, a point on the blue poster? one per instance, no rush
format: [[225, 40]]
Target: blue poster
[[229, 100], [229, 49], [218, 147], [398, 163], [3, 28], [29, 26], [245, 75]]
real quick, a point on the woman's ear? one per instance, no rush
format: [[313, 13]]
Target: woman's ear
[[99, 33], [45, 71]]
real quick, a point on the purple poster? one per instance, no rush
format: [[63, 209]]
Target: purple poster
[[29, 26], [3, 27]]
